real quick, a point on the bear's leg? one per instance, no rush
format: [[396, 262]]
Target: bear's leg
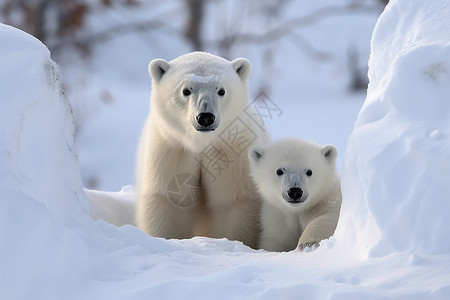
[[168, 187], [320, 228], [238, 221], [279, 232], [159, 217], [271, 242]]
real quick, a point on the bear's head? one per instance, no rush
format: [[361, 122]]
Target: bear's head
[[292, 171], [196, 95]]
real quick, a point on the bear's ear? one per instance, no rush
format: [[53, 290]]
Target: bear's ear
[[329, 152], [243, 67], [256, 154], [157, 68]]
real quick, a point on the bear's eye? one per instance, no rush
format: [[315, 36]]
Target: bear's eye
[[186, 92], [309, 172], [221, 92], [280, 172]]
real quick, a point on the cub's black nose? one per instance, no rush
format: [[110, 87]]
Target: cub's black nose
[[295, 193], [205, 119]]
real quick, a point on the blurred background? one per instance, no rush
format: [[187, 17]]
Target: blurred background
[[309, 58]]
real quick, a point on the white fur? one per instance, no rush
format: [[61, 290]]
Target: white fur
[[170, 145], [285, 226]]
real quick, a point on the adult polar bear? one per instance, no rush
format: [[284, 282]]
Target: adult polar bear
[[198, 132]]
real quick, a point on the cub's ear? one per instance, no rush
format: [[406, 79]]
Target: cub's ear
[[157, 68], [256, 154], [243, 67], [329, 152]]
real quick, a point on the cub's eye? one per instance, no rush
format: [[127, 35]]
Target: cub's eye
[[308, 172], [280, 172], [186, 92], [221, 92]]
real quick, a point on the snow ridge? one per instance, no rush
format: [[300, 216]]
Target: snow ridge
[[398, 156]]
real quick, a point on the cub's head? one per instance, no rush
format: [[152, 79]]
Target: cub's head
[[196, 95], [293, 172]]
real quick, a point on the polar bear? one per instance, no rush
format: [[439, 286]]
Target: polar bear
[[301, 193], [192, 165]]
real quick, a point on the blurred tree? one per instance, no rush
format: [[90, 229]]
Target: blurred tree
[[358, 74], [45, 19], [59, 23], [194, 23]]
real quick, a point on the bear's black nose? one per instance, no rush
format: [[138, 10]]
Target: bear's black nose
[[295, 193], [205, 119]]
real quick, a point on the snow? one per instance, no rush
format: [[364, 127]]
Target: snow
[[399, 150], [118, 208], [391, 241]]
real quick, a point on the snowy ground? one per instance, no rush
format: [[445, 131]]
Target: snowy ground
[[392, 238]]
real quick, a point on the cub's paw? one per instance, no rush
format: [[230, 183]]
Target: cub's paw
[[308, 246]]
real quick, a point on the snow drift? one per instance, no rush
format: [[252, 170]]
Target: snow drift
[[397, 171], [50, 247], [395, 187], [42, 198]]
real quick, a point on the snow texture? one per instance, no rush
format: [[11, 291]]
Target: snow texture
[[391, 241], [397, 169], [118, 208]]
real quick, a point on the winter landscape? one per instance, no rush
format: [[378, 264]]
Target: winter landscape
[[392, 238]]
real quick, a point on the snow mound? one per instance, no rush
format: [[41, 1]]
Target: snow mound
[[118, 208], [49, 245], [40, 184], [397, 166]]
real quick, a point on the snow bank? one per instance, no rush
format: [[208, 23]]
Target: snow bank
[[118, 208], [40, 181], [396, 179], [50, 247]]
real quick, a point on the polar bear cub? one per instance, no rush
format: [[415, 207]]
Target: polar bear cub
[[192, 169], [301, 193]]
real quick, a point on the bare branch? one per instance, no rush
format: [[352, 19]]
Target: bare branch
[[309, 49], [122, 29], [289, 27], [194, 23]]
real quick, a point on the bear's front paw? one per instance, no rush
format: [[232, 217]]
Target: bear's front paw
[[308, 246]]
